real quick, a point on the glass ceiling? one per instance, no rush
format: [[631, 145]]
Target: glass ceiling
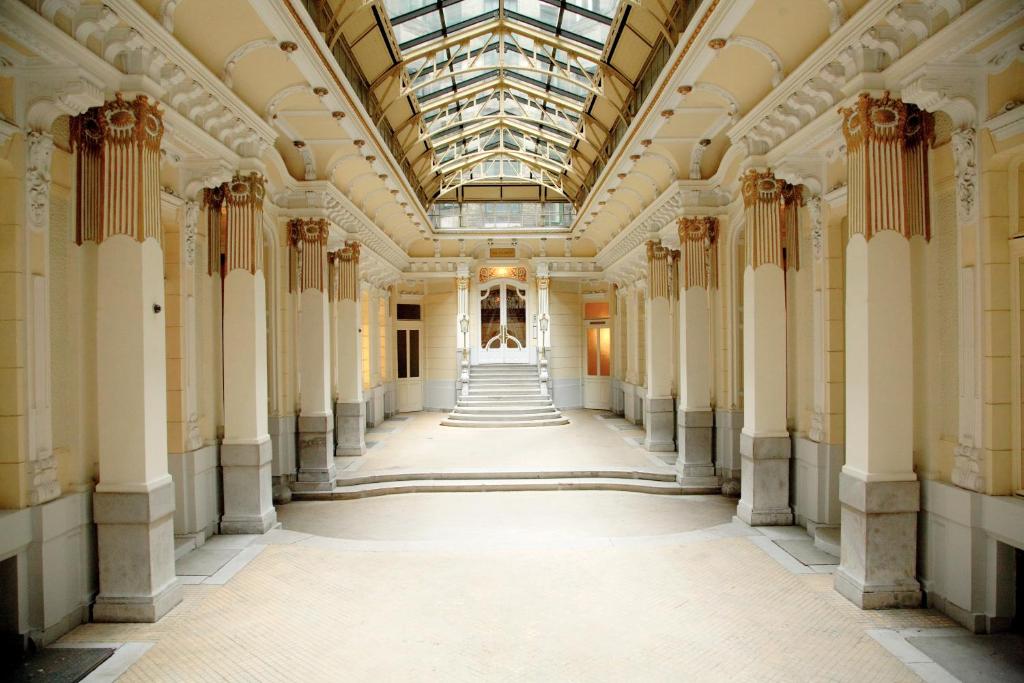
[[502, 85], [512, 93]]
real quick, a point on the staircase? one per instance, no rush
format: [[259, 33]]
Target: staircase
[[504, 396]]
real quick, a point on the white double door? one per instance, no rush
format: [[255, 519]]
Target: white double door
[[503, 328]]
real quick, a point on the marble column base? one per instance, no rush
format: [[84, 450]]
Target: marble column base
[[728, 427], [694, 466], [764, 482], [317, 473], [878, 563], [815, 483], [282, 438], [660, 425], [248, 490], [350, 427], [135, 538]]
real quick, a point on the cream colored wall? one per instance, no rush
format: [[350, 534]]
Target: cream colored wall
[[440, 308], [935, 306], [566, 308]]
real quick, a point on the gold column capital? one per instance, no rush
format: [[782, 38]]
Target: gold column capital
[[887, 143], [117, 146]]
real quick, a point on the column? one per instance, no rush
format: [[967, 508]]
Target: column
[[118, 207], [879, 494], [660, 419], [698, 239], [307, 239], [246, 452], [764, 442], [350, 407]]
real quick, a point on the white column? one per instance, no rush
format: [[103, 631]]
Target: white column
[[307, 239], [764, 442], [698, 237], [134, 500], [350, 408], [632, 353], [887, 143], [659, 423], [246, 452]]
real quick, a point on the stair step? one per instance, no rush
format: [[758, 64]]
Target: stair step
[[448, 422], [827, 538], [505, 417], [505, 409], [366, 490], [406, 475]]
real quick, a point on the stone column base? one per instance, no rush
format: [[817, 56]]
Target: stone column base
[[728, 427], [815, 483], [282, 438], [248, 497], [317, 473], [764, 483], [350, 426], [694, 466], [878, 562], [660, 425], [135, 536]]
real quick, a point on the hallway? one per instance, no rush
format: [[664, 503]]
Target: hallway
[[562, 585]]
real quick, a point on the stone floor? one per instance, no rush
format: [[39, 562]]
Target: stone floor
[[552, 586], [416, 442]]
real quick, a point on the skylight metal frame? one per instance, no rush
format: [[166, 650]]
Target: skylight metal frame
[[500, 53]]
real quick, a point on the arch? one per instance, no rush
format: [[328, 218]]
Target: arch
[[240, 52]]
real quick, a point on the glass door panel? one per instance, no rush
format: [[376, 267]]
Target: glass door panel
[[490, 318], [515, 316]]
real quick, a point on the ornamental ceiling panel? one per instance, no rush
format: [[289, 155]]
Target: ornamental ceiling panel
[[507, 91]]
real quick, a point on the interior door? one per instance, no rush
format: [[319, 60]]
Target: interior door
[[503, 323], [597, 384], [410, 385]]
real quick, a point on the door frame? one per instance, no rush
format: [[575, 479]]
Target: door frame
[[407, 383], [502, 355], [598, 382]]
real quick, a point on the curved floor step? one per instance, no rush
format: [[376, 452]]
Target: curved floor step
[[407, 475], [505, 417], [505, 410], [448, 422], [353, 491]]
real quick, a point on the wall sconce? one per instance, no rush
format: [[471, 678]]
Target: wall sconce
[[464, 324]]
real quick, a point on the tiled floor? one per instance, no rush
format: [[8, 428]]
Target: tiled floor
[[546, 586], [419, 443]]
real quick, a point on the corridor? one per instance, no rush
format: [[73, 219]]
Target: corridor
[[530, 585]]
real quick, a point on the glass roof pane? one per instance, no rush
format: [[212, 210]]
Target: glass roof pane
[[584, 26], [467, 10], [397, 8], [415, 27], [536, 10], [603, 7]]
